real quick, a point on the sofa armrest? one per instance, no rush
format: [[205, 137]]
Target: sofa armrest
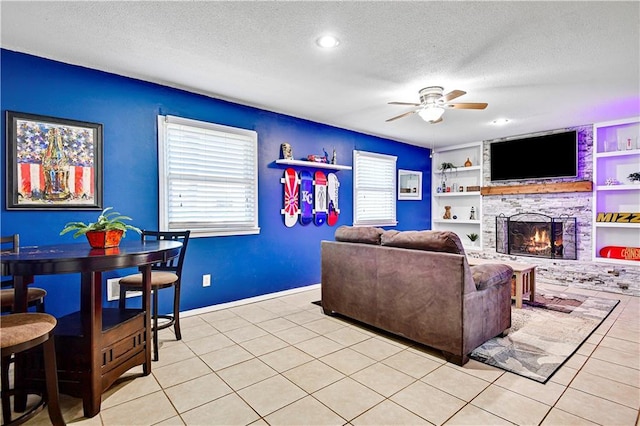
[[490, 274]]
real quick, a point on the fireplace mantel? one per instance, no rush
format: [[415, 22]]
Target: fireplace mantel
[[538, 188]]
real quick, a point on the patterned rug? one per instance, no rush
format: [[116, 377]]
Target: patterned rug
[[544, 334]]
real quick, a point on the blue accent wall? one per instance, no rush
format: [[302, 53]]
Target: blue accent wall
[[277, 259]]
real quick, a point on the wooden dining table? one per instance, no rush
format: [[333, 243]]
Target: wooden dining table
[[95, 345]]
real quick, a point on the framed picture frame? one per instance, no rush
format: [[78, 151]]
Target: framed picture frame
[[409, 185], [53, 163]]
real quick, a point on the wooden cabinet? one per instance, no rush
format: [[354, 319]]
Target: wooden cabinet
[[616, 155], [456, 193]]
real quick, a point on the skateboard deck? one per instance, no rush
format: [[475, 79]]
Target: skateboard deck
[[320, 210], [306, 197], [291, 209], [619, 252], [333, 188]]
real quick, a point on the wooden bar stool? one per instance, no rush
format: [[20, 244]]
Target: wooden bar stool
[[18, 333], [35, 296], [163, 275]]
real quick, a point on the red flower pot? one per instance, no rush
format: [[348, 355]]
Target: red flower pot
[[104, 239]]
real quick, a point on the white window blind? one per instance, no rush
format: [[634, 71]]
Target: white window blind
[[208, 177], [374, 194]]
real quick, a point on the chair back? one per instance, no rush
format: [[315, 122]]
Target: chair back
[[9, 244], [175, 264]]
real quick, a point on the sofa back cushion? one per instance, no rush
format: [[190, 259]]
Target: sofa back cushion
[[359, 234], [442, 241]]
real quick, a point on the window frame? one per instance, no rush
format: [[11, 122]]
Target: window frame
[[390, 189], [164, 178]]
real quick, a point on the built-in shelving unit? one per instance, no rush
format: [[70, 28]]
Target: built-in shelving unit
[[461, 202], [616, 155], [313, 164]]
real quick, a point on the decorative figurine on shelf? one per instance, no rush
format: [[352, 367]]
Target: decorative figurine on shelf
[[468, 163], [334, 157], [611, 181], [286, 152], [447, 212], [472, 216]]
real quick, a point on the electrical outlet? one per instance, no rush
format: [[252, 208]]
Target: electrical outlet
[[113, 290], [206, 280]]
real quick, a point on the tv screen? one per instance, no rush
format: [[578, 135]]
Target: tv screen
[[538, 157]]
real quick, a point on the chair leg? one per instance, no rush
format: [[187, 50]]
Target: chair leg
[[51, 375], [123, 297], [155, 325], [6, 397], [176, 310]]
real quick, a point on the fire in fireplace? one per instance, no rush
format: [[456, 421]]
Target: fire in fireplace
[[537, 235]]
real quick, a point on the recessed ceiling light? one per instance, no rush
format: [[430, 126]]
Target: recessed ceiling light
[[327, 41], [500, 121]]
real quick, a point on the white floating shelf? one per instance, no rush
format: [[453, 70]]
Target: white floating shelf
[[313, 164], [456, 194]]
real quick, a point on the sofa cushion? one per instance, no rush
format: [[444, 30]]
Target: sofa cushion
[[358, 234], [442, 241], [490, 274]]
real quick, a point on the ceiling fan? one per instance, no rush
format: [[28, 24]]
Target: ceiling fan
[[433, 103]]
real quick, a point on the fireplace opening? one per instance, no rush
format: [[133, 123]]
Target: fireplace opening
[[536, 235]]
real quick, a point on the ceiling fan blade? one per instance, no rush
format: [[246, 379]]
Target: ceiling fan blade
[[436, 121], [404, 103], [452, 95], [468, 105], [401, 115]]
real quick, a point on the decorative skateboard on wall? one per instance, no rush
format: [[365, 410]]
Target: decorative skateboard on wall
[[619, 252], [291, 209], [320, 211], [333, 187], [306, 197], [309, 197]]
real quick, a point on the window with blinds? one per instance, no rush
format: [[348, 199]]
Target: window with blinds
[[208, 177], [374, 189]]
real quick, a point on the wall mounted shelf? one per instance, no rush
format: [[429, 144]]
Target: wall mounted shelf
[[540, 188], [313, 164]]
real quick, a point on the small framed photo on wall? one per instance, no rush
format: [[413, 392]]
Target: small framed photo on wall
[[409, 185], [53, 163]]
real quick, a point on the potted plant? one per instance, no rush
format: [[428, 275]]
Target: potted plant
[[105, 232], [473, 237], [634, 177]]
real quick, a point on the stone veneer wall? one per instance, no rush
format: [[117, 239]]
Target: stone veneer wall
[[580, 273]]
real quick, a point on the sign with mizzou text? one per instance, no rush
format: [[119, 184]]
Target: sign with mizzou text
[[618, 217]]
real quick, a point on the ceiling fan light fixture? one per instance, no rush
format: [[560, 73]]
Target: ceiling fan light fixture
[[327, 41], [431, 113]]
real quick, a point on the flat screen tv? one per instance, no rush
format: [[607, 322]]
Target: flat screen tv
[[537, 157]]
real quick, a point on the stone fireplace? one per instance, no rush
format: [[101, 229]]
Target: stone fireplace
[[536, 235], [576, 267]]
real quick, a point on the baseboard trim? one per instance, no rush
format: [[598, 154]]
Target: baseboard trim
[[241, 302]]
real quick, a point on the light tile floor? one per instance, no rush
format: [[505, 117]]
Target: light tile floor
[[283, 362]]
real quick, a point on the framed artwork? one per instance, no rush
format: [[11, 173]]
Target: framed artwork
[[53, 163], [409, 185]]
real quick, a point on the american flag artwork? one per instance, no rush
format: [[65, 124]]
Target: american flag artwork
[[55, 163]]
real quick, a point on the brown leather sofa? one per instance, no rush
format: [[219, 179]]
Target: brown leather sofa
[[418, 285]]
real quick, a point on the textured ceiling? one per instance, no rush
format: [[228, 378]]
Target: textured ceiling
[[543, 65]]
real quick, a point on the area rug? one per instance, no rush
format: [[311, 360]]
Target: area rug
[[544, 334]]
